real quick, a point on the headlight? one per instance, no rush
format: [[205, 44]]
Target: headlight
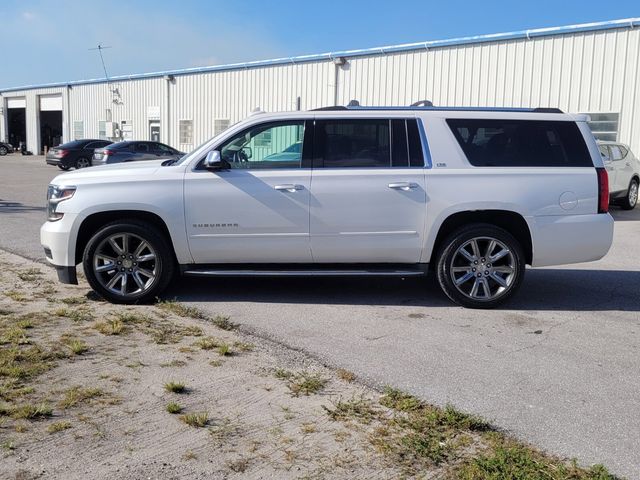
[[55, 195]]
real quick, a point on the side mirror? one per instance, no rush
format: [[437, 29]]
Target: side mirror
[[214, 161]]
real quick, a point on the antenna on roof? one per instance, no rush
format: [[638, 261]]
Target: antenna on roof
[[99, 48], [114, 90]]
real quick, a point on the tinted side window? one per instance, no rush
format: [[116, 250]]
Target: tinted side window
[[400, 150], [142, 147], [416, 156], [353, 143], [521, 143], [624, 151]]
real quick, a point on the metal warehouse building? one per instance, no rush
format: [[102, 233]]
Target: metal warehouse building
[[590, 68]]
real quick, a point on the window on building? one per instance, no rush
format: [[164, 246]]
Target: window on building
[[604, 126], [521, 143], [353, 143], [102, 130], [220, 125], [186, 132], [78, 130]]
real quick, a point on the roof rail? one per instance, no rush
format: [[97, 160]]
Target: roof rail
[[328, 109], [446, 109]]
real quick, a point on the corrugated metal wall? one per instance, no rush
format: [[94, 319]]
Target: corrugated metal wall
[[586, 72], [581, 73]]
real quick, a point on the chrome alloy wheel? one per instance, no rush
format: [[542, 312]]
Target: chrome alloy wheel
[[125, 264], [633, 194], [483, 268], [82, 163]]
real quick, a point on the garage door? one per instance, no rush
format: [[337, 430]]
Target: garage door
[[17, 102], [50, 103]]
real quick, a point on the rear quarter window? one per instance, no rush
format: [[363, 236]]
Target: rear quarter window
[[521, 143]]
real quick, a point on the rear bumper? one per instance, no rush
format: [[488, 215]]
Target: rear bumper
[[570, 239], [53, 161]]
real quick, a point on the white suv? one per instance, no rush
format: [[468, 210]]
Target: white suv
[[473, 194], [624, 173]]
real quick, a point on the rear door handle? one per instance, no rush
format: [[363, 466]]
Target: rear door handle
[[288, 187], [406, 186]]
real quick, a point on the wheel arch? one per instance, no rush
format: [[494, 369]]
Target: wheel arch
[[92, 223], [511, 221]]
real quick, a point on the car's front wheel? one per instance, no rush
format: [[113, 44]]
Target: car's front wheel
[[480, 266], [128, 262], [631, 199], [3, 150]]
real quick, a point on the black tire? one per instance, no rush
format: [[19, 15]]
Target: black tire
[[82, 162], [64, 167], [3, 150], [163, 264], [630, 200], [478, 267]]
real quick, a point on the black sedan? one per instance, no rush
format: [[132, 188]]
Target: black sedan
[[75, 154], [133, 151], [5, 148]]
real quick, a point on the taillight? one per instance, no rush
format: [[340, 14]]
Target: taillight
[[603, 190], [62, 153], [107, 152]]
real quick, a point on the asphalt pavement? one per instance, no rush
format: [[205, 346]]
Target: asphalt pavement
[[558, 367]]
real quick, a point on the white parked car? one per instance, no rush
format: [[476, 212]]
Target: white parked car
[[471, 194], [624, 173]]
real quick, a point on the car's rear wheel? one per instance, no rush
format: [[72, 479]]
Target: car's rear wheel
[[83, 162], [3, 150], [480, 266], [630, 201], [128, 262]]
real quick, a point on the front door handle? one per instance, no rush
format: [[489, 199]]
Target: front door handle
[[406, 186], [288, 187]]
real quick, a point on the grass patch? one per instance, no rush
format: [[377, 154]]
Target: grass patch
[[346, 375], [77, 347], [216, 363], [243, 346], [224, 323], [175, 387], [303, 383], [238, 466], [26, 411], [16, 296], [357, 408], [15, 335], [22, 363], [177, 308], [282, 374], [56, 427], [199, 419], [29, 275], [174, 363], [74, 300], [76, 395], [174, 407], [80, 314], [508, 459], [207, 343], [112, 326], [224, 350]]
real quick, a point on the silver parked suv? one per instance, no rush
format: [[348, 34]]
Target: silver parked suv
[[624, 173]]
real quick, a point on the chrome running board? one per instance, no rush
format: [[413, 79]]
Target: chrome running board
[[303, 273]]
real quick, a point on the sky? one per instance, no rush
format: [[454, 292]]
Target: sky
[[44, 41]]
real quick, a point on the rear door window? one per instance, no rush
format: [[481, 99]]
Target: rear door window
[[521, 143], [616, 153], [353, 143]]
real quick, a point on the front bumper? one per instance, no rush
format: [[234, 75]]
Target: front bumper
[[58, 241]]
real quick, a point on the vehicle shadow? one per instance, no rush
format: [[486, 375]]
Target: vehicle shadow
[[620, 215], [11, 207], [544, 290]]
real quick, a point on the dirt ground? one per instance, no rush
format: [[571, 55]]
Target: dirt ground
[[94, 390]]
